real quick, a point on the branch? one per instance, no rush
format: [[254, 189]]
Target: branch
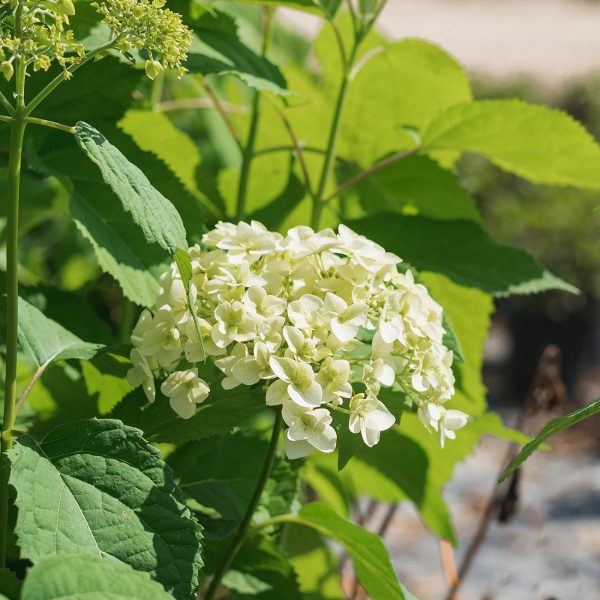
[[6, 119], [297, 147], [34, 379], [386, 162], [272, 149], [192, 103], [52, 124], [7, 105], [221, 110]]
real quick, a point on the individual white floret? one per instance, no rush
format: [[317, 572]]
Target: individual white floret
[[334, 378], [308, 429], [370, 417], [142, 373], [161, 338], [233, 323], [185, 390], [445, 422], [296, 382], [345, 320]]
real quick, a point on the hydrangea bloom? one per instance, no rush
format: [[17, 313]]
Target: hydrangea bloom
[[45, 34], [323, 320]]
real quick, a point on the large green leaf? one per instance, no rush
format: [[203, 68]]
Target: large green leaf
[[405, 85], [71, 576], [97, 487], [371, 561], [462, 250], [120, 249], [154, 214], [45, 341], [535, 142], [417, 184], [552, 428]]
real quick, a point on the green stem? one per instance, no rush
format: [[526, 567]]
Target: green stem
[[52, 124], [248, 152], [332, 142], [240, 535], [7, 105], [17, 132]]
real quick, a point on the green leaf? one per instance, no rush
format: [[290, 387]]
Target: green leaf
[[399, 89], [149, 209], [175, 173], [106, 376], [315, 564], [540, 144], [461, 250], [262, 563], [46, 341], [70, 576], [218, 414], [371, 561], [120, 249], [222, 52], [97, 487], [347, 442], [552, 428], [9, 584], [224, 473], [417, 184]]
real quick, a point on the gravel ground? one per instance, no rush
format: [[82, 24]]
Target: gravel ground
[[550, 550]]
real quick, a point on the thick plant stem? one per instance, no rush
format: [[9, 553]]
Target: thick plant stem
[[240, 535], [12, 299]]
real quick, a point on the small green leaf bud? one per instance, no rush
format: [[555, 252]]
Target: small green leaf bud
[[153, 68], [65, 7], [7, 70]]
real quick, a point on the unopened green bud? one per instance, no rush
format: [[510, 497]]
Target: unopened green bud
[[65, 7], [7, 70], [153, 68]]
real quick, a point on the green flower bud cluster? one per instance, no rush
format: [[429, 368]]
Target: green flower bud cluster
[[145, 24], [44, 36]]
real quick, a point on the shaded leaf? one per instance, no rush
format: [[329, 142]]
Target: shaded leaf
[[461, 250], [417, 184], [218, 414], [120, 250], [224, 473], [154, 214], [221, 52], [97, 487], [45, 340]]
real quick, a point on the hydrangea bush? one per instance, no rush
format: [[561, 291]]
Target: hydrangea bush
[[322, 320], [151, 411]]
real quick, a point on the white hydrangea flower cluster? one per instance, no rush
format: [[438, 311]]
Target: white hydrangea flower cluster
[[323, 319]]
